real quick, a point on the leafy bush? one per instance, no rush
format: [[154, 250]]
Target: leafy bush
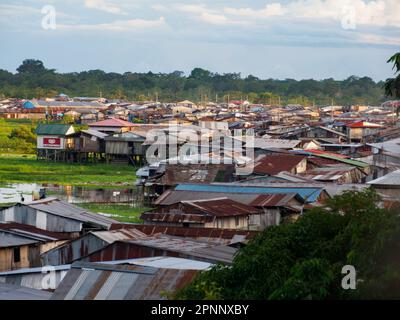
[[304, 259]]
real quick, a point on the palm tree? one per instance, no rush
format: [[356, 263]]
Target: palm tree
[[392, 85]]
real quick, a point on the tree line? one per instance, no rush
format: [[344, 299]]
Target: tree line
[[34, 80]]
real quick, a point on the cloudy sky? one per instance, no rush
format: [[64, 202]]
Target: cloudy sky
[[297, 39]]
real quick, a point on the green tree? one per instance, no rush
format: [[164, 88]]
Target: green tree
[[392, 85], [24, 133], [304, 259], [31, 66]]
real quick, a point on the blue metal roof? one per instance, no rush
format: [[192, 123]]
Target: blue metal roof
[[307, 194], [28, 105]]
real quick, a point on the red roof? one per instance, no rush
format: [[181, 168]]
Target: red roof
[[361, 124], [113, 122], [273, 164]]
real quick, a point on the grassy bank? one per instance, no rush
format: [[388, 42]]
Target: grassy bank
[[26, 169], [119, 212]]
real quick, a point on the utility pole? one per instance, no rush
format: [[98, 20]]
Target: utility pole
[[332, 110]]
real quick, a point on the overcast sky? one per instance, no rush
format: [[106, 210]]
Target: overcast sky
[[297, 39]]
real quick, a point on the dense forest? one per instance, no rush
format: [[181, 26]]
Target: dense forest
[[33, 79]]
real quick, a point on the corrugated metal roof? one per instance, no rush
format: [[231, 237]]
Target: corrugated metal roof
[[192, 232], [309, 194], [222, 207], [391, 179], [164, 262], [34, 270], [176, 217], [329, 173], [263, 143], [173, 196], [272, 200], [60, 208], [53, 129], [197, 173], [335, 157], [11, 239], [95, 133], [113, 122], [33, 231], [14, 292], [274, 163], [116, 235], [94, 281]]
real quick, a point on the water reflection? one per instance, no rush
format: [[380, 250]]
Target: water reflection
[[71, 194]]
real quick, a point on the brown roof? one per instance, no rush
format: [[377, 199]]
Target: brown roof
[[191, 232], [272, 200], [30, 230], [222, 207], [176, 217], [275, 163]]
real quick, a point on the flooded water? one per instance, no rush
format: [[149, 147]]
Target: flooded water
[[71, 194]]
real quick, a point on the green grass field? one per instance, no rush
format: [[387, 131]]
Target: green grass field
[[119, 212], [7, 125], [26, 169]]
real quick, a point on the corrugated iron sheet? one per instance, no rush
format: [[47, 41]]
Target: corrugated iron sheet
[[222, 207], [272, 200], [176, 217], [92, 281], [60, 208], [275, 163], [192, 232]]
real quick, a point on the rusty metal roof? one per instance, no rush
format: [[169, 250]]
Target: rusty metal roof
[[33, 231], [121, 234], [174, 196], [272, 200], [192, 232], [329, 173], [274, 163], [196, 173], [176, 217], [221, 207], [95, 281]]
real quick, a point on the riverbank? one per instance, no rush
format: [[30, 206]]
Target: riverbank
[[15, 168]]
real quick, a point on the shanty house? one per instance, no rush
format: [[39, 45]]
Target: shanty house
[[21, 246], [125, 147], [357, 131], [53, 141], [55, 215], [210, 213], [87, 244]]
